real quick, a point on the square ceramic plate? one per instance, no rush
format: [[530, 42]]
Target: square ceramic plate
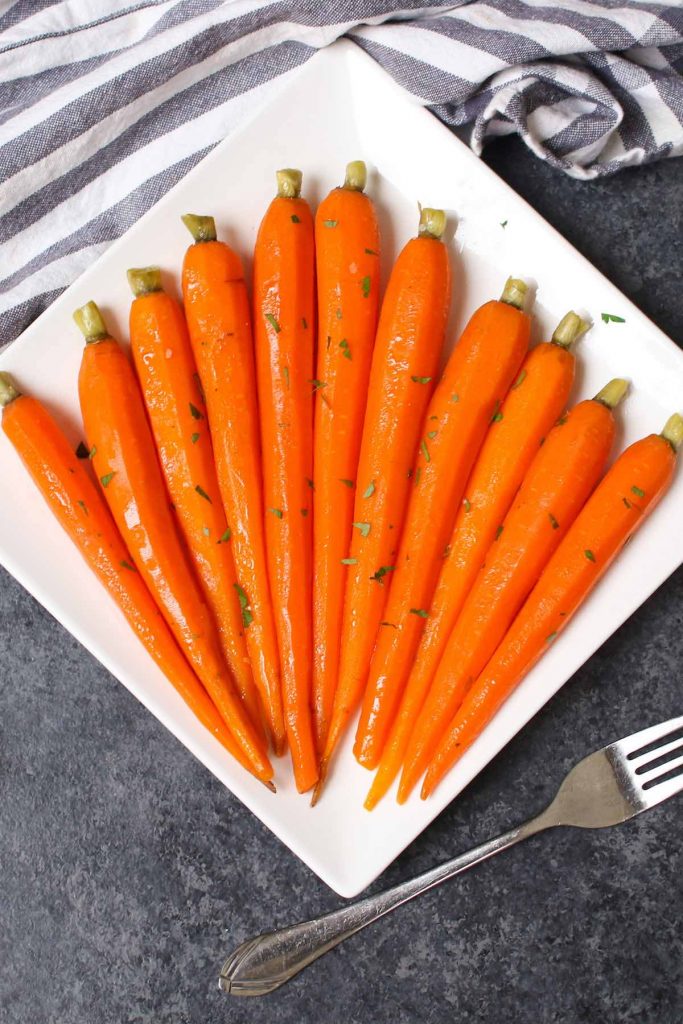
[[341, 106]]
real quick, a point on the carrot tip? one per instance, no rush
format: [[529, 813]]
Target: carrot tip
[[270, 786], [514, 292], [432, 223], [356, 176], [289, 181], [90, 322], [673, 429], [569, 329], [613, 393], [202, 229], [8, 390], [143, 280]]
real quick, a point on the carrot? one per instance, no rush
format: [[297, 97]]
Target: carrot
[[174, 399], [77, 504], [125, 461], [618, 507], [284, 333], [219, 324], [478, 374], [347, 258], [537, 397], [558, 482], [405, 360]]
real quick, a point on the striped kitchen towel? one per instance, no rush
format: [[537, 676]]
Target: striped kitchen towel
[[96, 96]]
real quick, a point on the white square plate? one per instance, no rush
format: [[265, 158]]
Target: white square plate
[[342, 106]]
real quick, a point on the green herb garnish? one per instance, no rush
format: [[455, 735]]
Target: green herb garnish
[[420, 380], [206, 531], [295, 219], [503, 223], [127, 565], [589, 555], [455, 398], [344, 345], [608, 318], [420, 611], [431, 434], [195, 413], [285, 374], [467, 503], [226, 536], [369, 490], [276, 512], [363, 528], [365, 285], [330, 223], [349, 561], [338, 314], [371, 252], [202, 493], [553, 521], [84, 507], [378, 576], [520, 380], [107, 479], [499, 531], [273, 323], [551, 636], [194, 438], [425, 450], [638, 491], [247, 617], [200, 387], [347, 483], [317, 384]]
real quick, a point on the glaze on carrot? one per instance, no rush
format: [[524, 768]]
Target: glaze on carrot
[[125, 461], [483, 365], [219, 324], [78, 506], [536, 399], [557, 484], [405, 360], [618, 507], [348, 260], [284, 333], [175, 405]]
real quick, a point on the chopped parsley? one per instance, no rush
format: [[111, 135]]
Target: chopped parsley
[[422, 612], [276, 512], [467, 503], [553, 521], [551, 636], [589, 555], [418, 474], [369, 490], [195, 413], [317, 384], [378, 577], [194, 438], [344, 346], [610, 318], [455, 398], [247, 617], [371, 252], [226, 536], [206, 531], [126, 565], [425, 450], [497, 414], [107, 479], [520, 380], [431, 434], [347, 483], [84, 507], [503, 223], [349, 561], [330, 223], [365, 285], [499, 531], [363, 528], [200, 388], [638, 491], [338, 314], [285, 374], [273, 323], [420, 380], [202, 494], [295, 219], [304, 512]]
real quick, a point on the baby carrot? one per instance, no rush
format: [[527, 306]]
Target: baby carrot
[[618, 507], [174, 399], [78, 506], [219, 323], [537, 398], [125, 461], [347, 259], [405, 360], [284, 333], [558, 482], [478, 374]]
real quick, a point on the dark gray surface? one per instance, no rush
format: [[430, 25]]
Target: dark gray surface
[[127, 871]]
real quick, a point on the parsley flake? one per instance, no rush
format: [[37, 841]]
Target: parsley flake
[[371, 252], [338, 314], [589, 555], [378, 576], [425, 450], [84, 507], [107, 479], [455, 398], [503, 223], [247, 617], [638, 491], [467, 503], [285, 374], [195, 413], [365, 285], [317, 384], [273, 322], [369, 490], [194, 438], [420, 380], [200, 387], [347, 483], [553, 521], [551, 636], [520, 380], [608, 318], [330, 223], [422, 612], [349, 561], [276, 512], [363, 528], [499, 531], [202, 494], [344, 346], [295, 219], [127, 565], [226, 536], [431, 434], [206, 531]]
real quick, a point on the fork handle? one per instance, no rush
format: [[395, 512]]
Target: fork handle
[[262, 964]]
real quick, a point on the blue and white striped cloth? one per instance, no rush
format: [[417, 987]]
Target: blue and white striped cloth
[[95, 96]]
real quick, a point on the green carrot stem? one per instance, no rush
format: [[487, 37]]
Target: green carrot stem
[[90, 323], [289, 182], [8, 390], [143, 280], [356, 176], [672, 432], [514, 292], [569, 329], [613, 393], [432, 223], [202, 229]]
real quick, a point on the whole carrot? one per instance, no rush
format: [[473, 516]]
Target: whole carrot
[[409, 340], [219, 323], [618, 507], [125, 461], [347, 259], [478, 374], [175, 404], [77, 504], [558, 482], [537, 398], [284, 332]]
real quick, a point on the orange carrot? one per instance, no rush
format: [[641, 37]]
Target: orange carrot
[[620, 504], [284, 332], [409, 340], [125, 461], [347, 259], [559, 480], [174, 399], [77, 504], [478, 374], [219, 323], [537, 398]]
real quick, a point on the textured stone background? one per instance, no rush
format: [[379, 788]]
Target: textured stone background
[[127, 871]]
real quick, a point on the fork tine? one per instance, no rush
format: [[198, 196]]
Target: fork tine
[[630, 745], [663, 790], [650, 778], [639, 763]]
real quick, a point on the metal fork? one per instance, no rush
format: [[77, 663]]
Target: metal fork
[[607, 787]]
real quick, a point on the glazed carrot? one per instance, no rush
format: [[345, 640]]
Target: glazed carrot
[[558, 482], [126, 464], [175, 405], [537, 398], [478, 374], [405, 360], [284, 333], [620, 504], [347, 259], [219, 323], [75, 501]]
